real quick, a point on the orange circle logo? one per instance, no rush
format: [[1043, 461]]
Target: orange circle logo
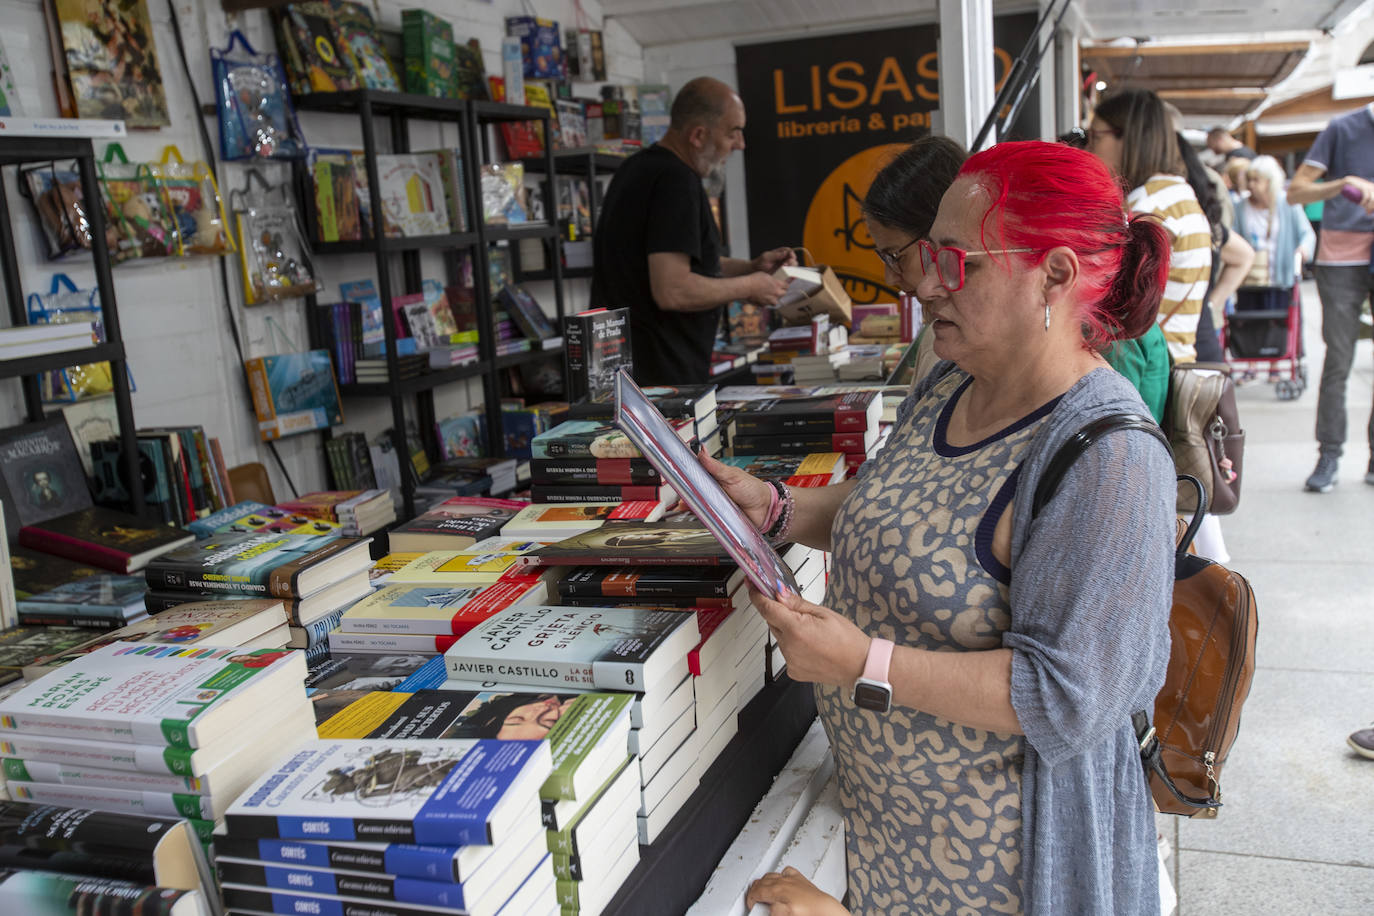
[[835, 233]]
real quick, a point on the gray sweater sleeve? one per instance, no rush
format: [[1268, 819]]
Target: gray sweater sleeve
[[1091, 588]]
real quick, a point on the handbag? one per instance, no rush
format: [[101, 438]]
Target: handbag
[[1213, 624], [1203, 427]]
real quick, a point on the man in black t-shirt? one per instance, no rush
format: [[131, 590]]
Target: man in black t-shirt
[[657, 249], [1220, 141]]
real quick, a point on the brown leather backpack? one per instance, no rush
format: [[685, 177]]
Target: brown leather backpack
[[1212, 629]]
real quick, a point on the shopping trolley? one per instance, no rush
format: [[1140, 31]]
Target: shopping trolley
[[1264, 335]]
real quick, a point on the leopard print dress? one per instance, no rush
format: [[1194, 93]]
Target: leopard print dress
[[933, 809]]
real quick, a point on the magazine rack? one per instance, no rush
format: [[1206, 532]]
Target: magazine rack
[[395, 111], [17, 151]]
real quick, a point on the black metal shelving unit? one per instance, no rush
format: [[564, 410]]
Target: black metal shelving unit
[[393, 112], [15, 151], [583, 162]]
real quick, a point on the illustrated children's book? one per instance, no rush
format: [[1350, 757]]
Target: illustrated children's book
[[294, 393], [111, 61], [412, 192]]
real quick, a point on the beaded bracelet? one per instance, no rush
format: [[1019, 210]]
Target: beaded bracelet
[[778, 531], [770, 518]]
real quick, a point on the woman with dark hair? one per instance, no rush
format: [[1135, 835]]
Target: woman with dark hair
[[977, 662], [1132, 135], [516, 716], [898, 210]]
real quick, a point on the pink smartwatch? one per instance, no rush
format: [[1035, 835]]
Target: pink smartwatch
[[872, 690]]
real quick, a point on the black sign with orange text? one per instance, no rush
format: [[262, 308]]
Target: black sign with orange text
[[823, 115]]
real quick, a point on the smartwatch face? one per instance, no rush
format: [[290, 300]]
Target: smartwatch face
[[872, 696]]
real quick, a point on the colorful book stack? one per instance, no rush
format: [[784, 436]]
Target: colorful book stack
[[250, 623], [392, 826], [587, 735], [432, 601], [846, 423], [556, 522], [454, 524], [640, 650], [76, 860], [595, 444], [356, 512], [817, 343], [150, 729], [316, 576]]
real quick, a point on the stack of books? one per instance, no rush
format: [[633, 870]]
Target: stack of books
[[818, 342], [427, 619], [697, 403], [846, 423], [865, 363], [563, 520], [316, 576], [248, 516], [394, 825], [573, 454], [42, 339], [102, 602], [151, 729], [638, 650], [816, 470], [454, 524], [23, 646], [250, 623], [77, 860], [356, 512], [473, 476], [587, 735], [341, 678]]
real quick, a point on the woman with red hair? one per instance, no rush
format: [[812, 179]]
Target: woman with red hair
[[976, 664]]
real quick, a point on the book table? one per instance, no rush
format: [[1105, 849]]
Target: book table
[[673, 872]]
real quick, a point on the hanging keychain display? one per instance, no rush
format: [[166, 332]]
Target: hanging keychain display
[[190, 189], [256, 117], [273, 253]]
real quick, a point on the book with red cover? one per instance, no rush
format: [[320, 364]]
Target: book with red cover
[[102, 537], [659, 581], [676, 543], [854, 411], [711, 622], [622, 472], [593, 492]]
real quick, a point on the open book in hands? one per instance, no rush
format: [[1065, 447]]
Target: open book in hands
[[642, 424]]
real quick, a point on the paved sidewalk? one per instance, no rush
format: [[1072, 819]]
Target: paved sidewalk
[[1296, 835]]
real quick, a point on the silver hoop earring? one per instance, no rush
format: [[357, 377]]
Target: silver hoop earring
[[1047, 316]]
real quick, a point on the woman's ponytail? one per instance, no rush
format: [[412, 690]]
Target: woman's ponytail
[[1131, 303]]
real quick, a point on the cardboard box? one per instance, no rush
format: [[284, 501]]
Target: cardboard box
[[541, 44], [830, 299]]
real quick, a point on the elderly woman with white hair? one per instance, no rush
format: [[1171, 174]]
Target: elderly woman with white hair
[[1279, 232]]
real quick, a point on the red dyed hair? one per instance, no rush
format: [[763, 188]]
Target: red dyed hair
[[1047, 195]]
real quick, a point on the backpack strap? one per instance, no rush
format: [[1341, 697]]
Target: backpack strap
[[1069, 452]]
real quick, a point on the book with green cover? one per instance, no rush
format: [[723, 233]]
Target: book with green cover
[[153, 695]]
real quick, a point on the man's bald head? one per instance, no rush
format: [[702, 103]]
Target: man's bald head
[[702, 101]]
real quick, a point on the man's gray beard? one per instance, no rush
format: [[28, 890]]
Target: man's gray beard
[[714, 181]]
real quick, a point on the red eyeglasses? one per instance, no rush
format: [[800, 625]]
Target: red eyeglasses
[[949, 262]]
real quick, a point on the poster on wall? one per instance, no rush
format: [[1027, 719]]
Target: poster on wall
[[825, 115], [112, 61]]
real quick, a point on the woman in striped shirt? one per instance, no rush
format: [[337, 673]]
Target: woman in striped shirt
[[1132, 135]]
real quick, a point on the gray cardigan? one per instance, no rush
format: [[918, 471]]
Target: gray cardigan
[[1091, 587]]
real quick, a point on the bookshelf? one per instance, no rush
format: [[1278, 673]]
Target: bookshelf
[[16, 151], [587, 163], [392, 112]]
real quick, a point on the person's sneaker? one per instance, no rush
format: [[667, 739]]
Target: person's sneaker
[[1324, 477], [1362, 742]]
